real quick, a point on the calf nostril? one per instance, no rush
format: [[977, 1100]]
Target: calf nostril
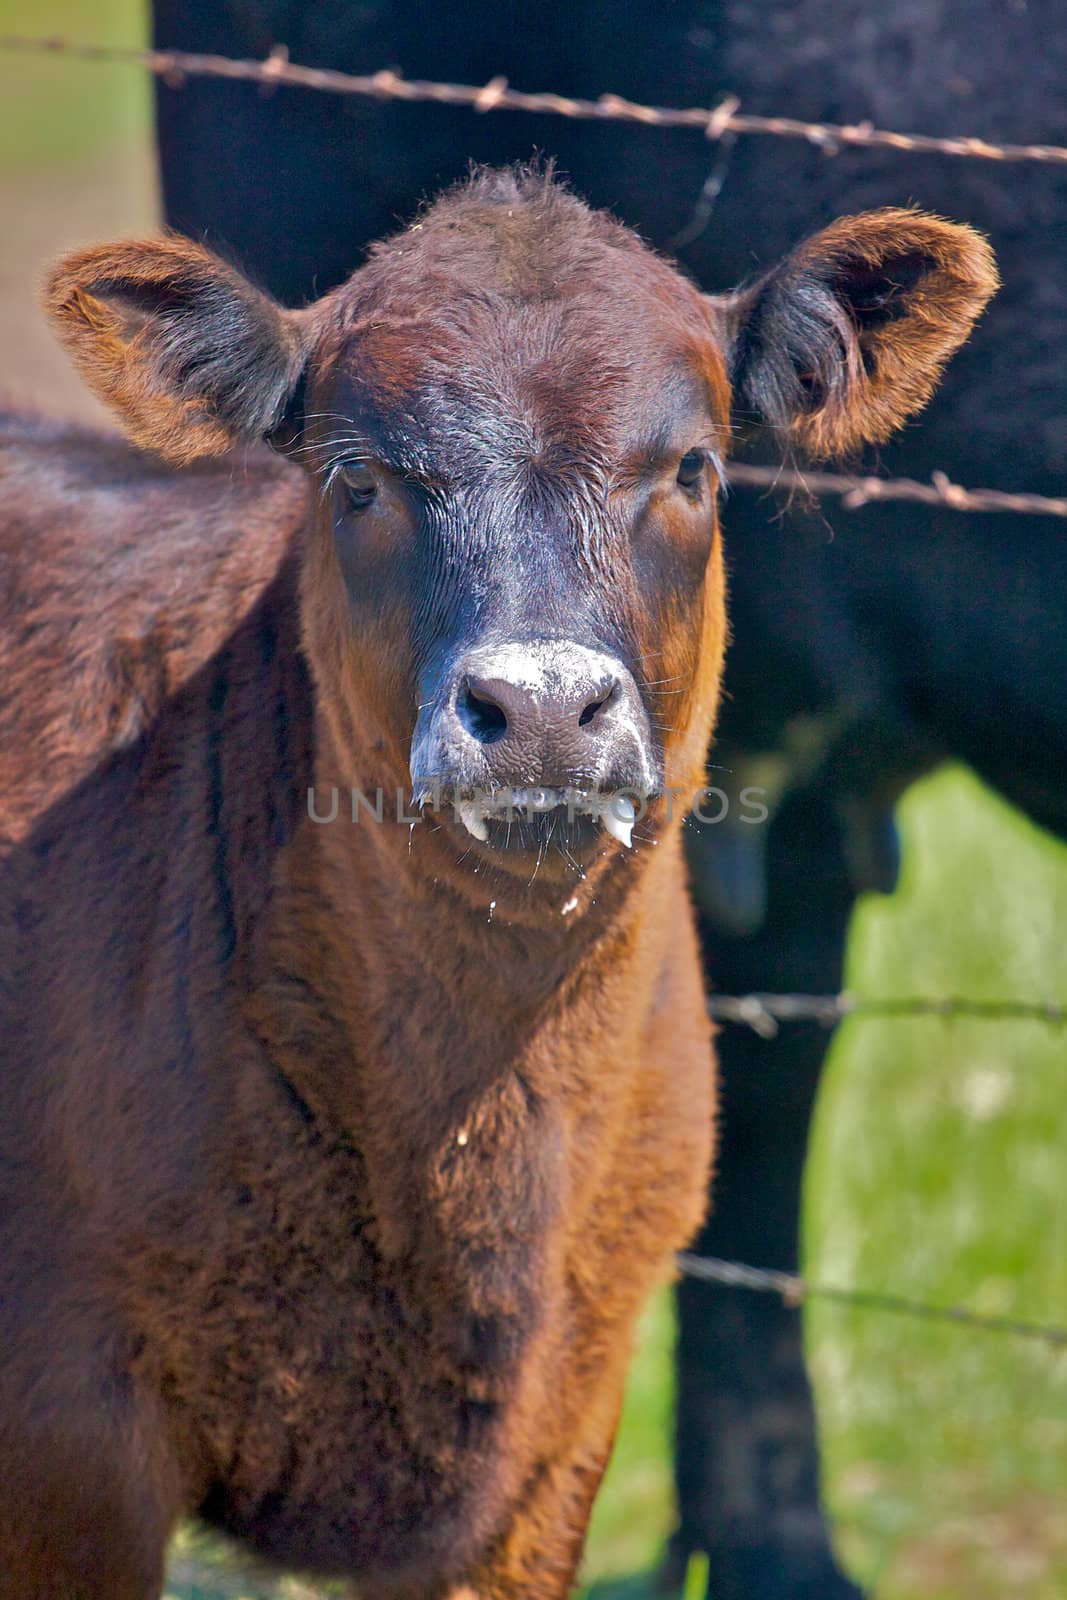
[[483, 719], [596, 705]]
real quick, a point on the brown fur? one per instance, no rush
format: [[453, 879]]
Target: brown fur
[[336, 1161]]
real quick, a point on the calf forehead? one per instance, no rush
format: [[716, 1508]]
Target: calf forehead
[[513, 316], [572, 382]]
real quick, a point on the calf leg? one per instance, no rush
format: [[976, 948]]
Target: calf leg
[[746, 1444]]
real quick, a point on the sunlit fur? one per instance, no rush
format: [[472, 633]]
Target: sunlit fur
[[339, 1160]]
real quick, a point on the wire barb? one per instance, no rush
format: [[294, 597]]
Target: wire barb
[[721, 119]]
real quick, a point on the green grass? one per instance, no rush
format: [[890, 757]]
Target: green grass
[[938, 1169], [56, 112]]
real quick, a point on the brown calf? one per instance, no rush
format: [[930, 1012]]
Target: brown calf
[[337, 1158]]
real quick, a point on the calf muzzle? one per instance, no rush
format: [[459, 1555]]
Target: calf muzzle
[[541, 727]]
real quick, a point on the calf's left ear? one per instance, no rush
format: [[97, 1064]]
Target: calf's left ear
[[848, 336], [190, 355]]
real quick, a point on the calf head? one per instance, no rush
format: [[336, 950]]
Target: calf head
[[513, 419]]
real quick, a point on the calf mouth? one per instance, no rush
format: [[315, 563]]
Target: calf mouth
[[526, 817]]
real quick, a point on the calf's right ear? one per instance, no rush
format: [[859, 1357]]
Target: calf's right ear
[[190, 355], [847, 337]]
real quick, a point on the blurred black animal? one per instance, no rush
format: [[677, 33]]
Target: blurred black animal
[[871, 646]]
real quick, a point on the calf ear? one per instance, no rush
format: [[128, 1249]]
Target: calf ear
[[190, 355], [848, 336]]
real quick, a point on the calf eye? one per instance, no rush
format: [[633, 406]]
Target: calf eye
[[358, 483], [691, 469]]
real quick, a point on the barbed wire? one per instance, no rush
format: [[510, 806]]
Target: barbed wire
[[176, 66], [722, 122], [858, 491], [794, 1290], [763, 1012]]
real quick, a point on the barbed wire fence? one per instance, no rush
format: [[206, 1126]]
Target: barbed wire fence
[[764, 1013], [723, 124], [176, 66]]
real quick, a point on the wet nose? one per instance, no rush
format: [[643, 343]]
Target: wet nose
[[495, 709], [548, 712]]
